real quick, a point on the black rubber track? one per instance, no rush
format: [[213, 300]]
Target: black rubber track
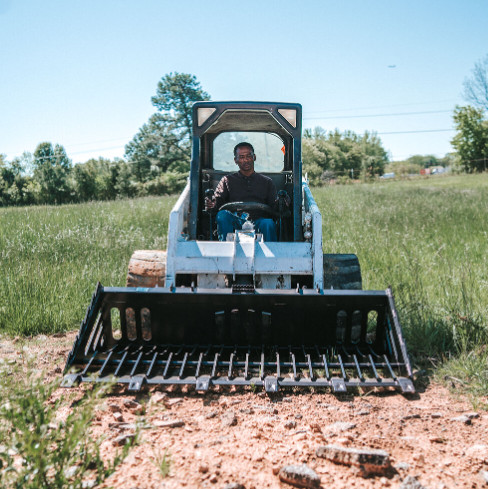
[[342, 272]]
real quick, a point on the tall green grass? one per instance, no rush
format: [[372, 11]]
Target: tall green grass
[[428, 239], [51, 257]]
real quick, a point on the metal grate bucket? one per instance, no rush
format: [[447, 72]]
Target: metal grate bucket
[[265, 338]]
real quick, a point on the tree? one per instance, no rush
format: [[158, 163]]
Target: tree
[[51, 170], [346, 155], [96, 179], [476, 87], [163, 143], [471, 140], [16, 188]]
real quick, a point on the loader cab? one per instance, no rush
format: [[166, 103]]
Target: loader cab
[[273, 129]]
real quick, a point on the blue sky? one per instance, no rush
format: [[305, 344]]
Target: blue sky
[[82, 73]]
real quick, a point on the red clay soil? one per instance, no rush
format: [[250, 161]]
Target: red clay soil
[[237, 436]]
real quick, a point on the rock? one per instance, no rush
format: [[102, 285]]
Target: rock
[[402, 466], [114, 408], [462, 419], [419, 458], [157, 398], [436, 415], [172, 423], [290, 425], [315, 427], [134, 406], [71, 471], [368, 461], [228, 419], [300, 476], [411, 416], [472, 415], [479, 452], [437, 439], [171, 402], [484, 476], [234, 485], [213, 478], [88, 484], [118, 417], [123, 440], [411, 483], [122, 426], [339, 427], [246, 411]]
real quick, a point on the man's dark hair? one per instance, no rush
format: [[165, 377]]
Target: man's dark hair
[[243, 145]]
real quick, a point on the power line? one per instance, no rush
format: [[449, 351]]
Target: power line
[[328, 111], [415, 132], [378, 115], [98, 149]]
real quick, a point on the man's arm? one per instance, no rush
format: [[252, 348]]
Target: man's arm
[[220, 197]]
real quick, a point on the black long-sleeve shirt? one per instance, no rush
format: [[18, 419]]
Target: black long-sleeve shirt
[[236, 187]]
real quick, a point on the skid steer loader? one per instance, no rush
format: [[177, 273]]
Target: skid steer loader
[[244, 311]]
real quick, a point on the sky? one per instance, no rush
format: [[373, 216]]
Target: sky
[[82, 73]]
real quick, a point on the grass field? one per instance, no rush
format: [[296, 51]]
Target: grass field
[[51, 258], [427, 238]]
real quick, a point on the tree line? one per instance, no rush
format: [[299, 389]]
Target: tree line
[[157, 159]]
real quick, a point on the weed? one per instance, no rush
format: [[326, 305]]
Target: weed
[[51, 257], [40, 448], [163, 463], [427, 239], [468, 371]]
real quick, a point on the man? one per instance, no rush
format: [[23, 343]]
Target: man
[[244, 186]]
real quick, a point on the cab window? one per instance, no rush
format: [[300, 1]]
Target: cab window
[[268, 148]]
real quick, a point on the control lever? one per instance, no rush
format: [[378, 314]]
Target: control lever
[[283, 203], [209, 193]]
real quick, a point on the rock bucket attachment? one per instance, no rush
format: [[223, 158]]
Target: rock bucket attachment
[[269, 339]]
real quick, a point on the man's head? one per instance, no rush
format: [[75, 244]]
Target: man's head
[[244, 157]]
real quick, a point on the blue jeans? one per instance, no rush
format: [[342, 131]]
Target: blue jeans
[[228, 223]]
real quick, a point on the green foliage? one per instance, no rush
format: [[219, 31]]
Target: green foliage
[[163, 463], [175, 95], [96, 179], [51, 170], [163, 143], [476, 86], [471, 140], [41, 449], [16, 187], [51, 257], [158, 158], [427, 239], [330, 155], [469, 370]]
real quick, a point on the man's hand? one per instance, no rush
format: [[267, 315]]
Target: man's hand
[[209, 199], [284, 197], [209, 203]]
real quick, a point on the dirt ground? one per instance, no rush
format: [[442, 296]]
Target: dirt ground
[[225, 438]]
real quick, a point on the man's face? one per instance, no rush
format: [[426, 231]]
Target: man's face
[[245, 159]]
